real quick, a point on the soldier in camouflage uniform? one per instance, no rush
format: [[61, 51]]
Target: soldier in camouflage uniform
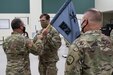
[[52, 42], [17, 48], [92, 52], [111, 34], [67, 43]]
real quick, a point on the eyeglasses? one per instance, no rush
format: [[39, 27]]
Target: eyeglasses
[[42, 20]]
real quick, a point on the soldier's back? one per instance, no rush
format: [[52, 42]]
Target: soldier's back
[[97, 54], [17, 55], [111, 35]]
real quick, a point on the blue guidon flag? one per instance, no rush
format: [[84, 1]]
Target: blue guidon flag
[[65, 22]]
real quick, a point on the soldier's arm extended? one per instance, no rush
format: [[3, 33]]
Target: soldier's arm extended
[[35, 48]]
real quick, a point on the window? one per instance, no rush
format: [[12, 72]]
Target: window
[[4, 23]]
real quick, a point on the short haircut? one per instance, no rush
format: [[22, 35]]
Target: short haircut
[[16, 23], [46, 15], [97, 15]]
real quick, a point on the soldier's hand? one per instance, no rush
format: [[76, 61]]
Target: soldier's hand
[[40, 36], [29, 43], [45, 32]]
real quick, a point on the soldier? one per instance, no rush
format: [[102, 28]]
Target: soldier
[[17, 48], [111, 34], [92, 52], [52, 42]]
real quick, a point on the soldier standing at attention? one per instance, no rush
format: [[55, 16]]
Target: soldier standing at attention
[[17, 48], [52, 42], [92, 52]]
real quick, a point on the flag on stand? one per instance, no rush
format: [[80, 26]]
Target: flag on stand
[[65, 22]]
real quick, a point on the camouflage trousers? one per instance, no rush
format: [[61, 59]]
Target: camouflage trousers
[[17, 71], [47, 68]]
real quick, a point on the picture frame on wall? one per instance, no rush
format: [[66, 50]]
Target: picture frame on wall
[[4, 24]]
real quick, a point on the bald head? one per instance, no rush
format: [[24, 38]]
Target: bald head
[[92, 20], [93, 15]]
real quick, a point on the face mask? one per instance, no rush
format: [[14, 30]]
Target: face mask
[[83, 26], [43, 25], [24, 29]]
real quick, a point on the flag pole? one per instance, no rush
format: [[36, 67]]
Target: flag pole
[[48, 27]]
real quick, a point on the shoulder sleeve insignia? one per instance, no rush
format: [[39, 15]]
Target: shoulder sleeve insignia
[[70, 60]]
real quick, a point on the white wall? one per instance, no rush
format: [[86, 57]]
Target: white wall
[[104, 5], [35, 11]]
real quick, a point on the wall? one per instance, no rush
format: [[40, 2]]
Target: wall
[[14, 6], [107, 17], [33, 17], [104, 5], [52, 6], [35, 11]]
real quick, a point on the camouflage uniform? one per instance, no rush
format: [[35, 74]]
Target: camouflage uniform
[[111, 34], [90, 54], [48, 59], [17, 51], [67, 43]]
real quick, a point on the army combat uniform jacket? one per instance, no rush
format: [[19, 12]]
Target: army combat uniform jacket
[[111, 35], [17, 51], [52, 43], [90, 54]]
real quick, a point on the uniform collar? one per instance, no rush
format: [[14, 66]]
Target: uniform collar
[[93, 31], [15, 32]]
